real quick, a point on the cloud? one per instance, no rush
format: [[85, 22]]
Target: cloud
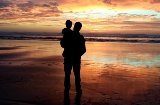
[[124, 21], [45, 5], [2, 24], [132, 4], [145, 24], [4, 3], [96, 14], [155, 1], [28, 10], [54, 4], [107, 1], [26, 6], [3, 10], [50, 4]]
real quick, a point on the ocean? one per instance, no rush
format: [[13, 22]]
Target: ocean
[[99, 37]]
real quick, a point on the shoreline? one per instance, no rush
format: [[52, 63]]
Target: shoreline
[[88, 39]]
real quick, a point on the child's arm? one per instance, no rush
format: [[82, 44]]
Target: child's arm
[[63, 31], [62, 43]]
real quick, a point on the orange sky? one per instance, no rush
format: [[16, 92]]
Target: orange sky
[[109, 16]]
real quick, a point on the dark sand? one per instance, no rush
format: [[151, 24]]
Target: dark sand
[[28, 80]]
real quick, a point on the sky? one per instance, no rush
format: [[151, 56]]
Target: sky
[[96, 16]]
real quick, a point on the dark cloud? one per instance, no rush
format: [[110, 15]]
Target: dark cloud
[[4, 3], [3, 24], [155, 24], [54, 4], [55, 9], [8, 15], [3, 10], [27, 6], [155, 1], [24, 9], [50, 4], [107, 1], [45, 5], [52, 9]]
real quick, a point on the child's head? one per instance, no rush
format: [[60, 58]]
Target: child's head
[[68, 24]]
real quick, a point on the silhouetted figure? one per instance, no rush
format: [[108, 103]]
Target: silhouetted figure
[[66, 100], [72, 58], [67, 38], [78, 99]]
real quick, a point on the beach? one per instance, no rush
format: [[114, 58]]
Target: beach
[[112, 73]]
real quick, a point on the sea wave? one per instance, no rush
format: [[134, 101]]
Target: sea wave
[[132, 38], [95, 39]]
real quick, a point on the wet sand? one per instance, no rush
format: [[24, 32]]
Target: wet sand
[[32, 74]]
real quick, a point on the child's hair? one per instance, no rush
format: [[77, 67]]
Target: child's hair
[[68, 24]]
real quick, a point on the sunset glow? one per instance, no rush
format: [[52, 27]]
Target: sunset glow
[[109, 16]]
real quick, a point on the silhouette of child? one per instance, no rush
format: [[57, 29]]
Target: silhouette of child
[[67, 31], [66, 40]]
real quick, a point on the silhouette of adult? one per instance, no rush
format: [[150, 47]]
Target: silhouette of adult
[[72, 59]]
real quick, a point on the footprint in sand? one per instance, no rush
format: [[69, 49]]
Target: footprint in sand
[[32, 64], [115, 92], [9, 63], [49, 64], [43, 63]]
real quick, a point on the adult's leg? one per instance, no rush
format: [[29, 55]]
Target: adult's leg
[[67, 70], [76, 69]]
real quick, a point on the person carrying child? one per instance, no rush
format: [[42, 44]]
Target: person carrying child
[[74, 47]]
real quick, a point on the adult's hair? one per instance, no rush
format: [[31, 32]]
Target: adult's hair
[[77, 26]]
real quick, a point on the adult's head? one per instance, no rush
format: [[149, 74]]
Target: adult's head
[[77, 26], [68, 24]]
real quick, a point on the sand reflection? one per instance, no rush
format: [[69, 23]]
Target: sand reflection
[[120, 82], [111, 73], [133, 54], [121, 71]]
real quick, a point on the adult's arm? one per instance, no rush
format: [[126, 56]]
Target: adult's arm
[[83, 46]]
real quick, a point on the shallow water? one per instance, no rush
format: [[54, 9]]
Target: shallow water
[[133, 54]]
